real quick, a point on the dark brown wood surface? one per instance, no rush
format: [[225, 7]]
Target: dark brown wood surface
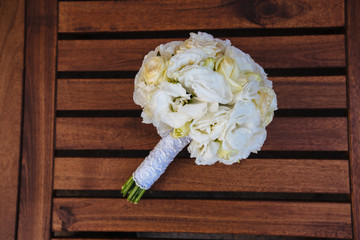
[[251, 175], [270, 52], [205, 216], [353, 54], [117, 94], [284, 134], [38, 127], [310, 92], [98, 16], [99, 94], [12, 13], [28, 135]]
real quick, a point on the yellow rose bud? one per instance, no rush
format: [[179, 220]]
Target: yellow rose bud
[[182, 131], [155, 71]]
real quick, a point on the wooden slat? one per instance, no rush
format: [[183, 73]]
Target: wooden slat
[[96, 94], [12, 13], [204, 216], [270, 52], [353, 57], [194, 14], [251, 175], [284, 134], [38, 127], [117, 94], [310, 92]]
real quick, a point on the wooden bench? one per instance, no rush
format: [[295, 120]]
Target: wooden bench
[[82, 134]]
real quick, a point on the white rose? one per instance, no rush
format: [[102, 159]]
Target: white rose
[[205, 153], [207, 85], [169, 105], [169, 49], [244, 85], [210, 126], [244, 133], [244, 61], [246, 64], [142, 94], [205, 42], [248, 93], [180, 60], [222, 44], [142, 91]]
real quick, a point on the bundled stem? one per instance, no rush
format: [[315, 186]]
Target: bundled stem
[[133, 191]]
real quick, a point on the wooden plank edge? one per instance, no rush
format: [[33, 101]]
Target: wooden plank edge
[[353, 78], [38, 124]]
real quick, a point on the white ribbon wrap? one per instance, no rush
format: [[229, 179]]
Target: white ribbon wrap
[[158, 160]]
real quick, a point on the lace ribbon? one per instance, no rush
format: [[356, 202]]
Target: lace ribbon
[[158, 160]]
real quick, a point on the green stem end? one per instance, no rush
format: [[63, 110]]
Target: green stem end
[[132, 191]]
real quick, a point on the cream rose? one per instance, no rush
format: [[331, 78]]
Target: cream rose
[[169, 49], [170, 105], [205, 42], [206, 153], [210, 126], [186, 58], [243, 133], [154, 71], [244, 62], [229, 68], [206, 84], [267, 104]]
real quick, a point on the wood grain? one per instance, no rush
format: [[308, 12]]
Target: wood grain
[[12, 14], [38, 127], [117, 94], [204, 216], [251, 175], [353, 59], [162, 15], [270, 52], [284, 134], [96, 94]]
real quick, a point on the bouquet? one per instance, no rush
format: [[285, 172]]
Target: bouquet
[[205, 93]]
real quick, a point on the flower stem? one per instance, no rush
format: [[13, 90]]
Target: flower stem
[[133, 191]]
